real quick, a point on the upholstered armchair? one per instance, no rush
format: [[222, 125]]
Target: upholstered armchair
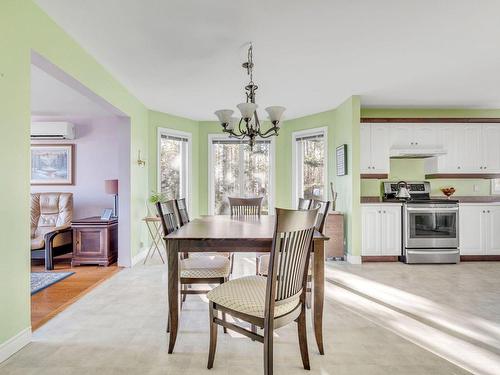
[[51, 235]]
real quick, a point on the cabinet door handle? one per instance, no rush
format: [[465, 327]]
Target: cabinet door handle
[[379, 212], [416, 143], [484, 211], [384, 212], [484, 167], [480, 167], [458, 167], [488, 211]]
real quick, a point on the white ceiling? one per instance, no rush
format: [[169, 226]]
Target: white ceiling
[[50, 97], [183, 56]]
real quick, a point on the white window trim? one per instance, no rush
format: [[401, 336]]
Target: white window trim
[[210, 169], [295, 167], [176, 133]]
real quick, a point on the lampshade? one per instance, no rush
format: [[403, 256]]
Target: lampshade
[[233, 121], [111, 187], [275, 113], [224, 115], [247, 110]]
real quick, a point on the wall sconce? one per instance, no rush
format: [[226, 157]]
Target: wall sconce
[[140, 162]]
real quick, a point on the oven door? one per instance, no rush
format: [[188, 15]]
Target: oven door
[[431, 226]]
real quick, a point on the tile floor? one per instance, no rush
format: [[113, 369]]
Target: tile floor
[[119, 328]]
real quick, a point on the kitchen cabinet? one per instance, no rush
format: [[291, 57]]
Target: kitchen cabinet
[[479, 229], [490, 148], [374, 141], [409, 135], [381, 230]]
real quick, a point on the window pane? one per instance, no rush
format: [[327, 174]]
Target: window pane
[[170, 168], [313, 172], [226, 175], [257, 168]]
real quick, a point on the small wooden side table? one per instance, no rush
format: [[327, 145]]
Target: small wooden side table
[[95, 241], [155, 232]]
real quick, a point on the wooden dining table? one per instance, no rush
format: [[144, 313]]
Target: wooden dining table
[[236, 234]]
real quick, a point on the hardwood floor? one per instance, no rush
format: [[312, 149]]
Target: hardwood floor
[[54, 299]]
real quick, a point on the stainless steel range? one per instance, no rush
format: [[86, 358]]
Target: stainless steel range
[[430, 226]]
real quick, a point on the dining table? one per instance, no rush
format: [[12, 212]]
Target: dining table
[[225, 233]]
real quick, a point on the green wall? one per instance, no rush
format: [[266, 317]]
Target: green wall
[[413, 169], [23, 28], [163, 120]]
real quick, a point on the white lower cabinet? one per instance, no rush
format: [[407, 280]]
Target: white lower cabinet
[[381, 230], [479, 229]]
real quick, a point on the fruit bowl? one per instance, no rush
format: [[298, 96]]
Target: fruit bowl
[[448, 191]]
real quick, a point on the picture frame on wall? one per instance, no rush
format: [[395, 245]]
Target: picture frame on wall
[[341, 157], [52, 164]]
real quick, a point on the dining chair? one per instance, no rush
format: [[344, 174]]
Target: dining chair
[[182, 211], [245, 206], [270, 302], [206, 269], [304, 204], [319, 225]]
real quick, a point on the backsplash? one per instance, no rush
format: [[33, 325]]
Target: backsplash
[[413, 170]]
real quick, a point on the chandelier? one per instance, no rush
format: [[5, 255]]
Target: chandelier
[[248, 125]]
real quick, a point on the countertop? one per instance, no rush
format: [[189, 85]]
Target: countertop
[[488, 199]]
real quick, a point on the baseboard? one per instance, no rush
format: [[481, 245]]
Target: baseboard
[[139, 256], [379, 258], [14, 344], [353, 259]]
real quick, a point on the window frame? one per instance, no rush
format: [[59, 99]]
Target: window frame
[[187, 164], [211, 174], [296, 168]]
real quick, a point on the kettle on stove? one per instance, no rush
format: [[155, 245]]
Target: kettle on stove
[[403, 191]]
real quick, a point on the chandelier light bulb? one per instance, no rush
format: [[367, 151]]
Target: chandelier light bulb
[[224, 115], [275, 113], [247, 110]]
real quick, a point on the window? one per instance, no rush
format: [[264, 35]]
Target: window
[[173, 161], [237, 171], [309, 166]]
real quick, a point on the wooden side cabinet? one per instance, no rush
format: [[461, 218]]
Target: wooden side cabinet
[[95, 241], [334, 229]]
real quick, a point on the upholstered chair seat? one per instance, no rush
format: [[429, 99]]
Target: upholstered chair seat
[[51, 215], [208, 266], [248, 295]]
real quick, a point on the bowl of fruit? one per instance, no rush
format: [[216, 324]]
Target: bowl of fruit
[[448, 191]]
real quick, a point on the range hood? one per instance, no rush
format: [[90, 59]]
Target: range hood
[[416, 153]]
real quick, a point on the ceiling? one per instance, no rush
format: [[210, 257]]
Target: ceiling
[[183, 56], [50, 97]]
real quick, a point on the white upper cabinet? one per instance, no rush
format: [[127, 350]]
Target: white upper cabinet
[[491, 148], [471, 148], [374, 148]]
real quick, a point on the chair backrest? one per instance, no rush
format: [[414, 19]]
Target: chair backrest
[[245, 206], [182, 212], [168, 217], [289, 258], [322, 207], [304, 204], [50, 210]]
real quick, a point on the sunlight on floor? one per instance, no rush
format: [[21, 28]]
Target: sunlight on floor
[[464, 339]]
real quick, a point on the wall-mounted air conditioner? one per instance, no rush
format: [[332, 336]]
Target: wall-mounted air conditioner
[[52, 130]]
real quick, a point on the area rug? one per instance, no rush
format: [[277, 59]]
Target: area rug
[[41, 280]]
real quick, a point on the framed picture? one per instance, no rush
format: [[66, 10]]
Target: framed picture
[[341, 153], [52, 164], [106, 214]]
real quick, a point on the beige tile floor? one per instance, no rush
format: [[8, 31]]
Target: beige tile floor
[[119, 328]]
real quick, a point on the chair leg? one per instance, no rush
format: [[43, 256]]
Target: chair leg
[[49, 258], [213, 336], [268, 349], [257, 264], [168, 324], [301, 330], [221, 281], [184, 287]]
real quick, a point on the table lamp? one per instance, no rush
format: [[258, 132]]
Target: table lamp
[[111, 187]]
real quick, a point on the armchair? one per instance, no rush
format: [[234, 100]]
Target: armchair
[[51, 233]]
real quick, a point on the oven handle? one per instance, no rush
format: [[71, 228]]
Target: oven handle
[[432, 209]]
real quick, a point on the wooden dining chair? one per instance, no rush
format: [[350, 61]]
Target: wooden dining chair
[[304, 204], [245, 206], [319, 225], [270, 302], [182, 211], [206, 269]]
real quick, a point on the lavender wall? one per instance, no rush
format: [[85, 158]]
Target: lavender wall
[[97, 158]]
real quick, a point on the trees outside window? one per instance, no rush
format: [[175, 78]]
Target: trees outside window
[[173, 165], [310, 172], [240, 172]]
